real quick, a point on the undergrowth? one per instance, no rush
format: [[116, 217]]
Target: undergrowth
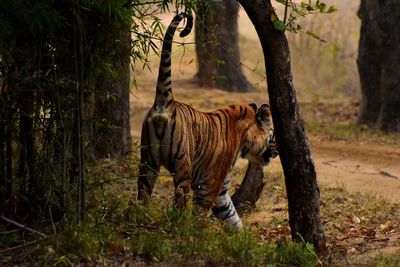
[[118, 230]]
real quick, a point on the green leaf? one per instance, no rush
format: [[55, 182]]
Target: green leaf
[[279, 25], [314, 35], [331, 9], [322, 7]]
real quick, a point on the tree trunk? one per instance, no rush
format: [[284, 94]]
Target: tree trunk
[[26, 157], [3, 179], [112, 113], [379, 64], [250, 189], [217, 47], [298, 166]]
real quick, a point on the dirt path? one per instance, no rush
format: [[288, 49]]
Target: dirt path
[[366, 168], [360, 167]]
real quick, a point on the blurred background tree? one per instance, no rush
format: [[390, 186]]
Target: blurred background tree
[[379, 64], [217, 47]]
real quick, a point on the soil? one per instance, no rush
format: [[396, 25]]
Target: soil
[[368, 168]]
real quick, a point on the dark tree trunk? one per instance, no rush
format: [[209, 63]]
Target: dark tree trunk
[[250, 189], [26, 157], [2, 148], [9, 156], [368, 66], [217, 47], [379, 64], [112, 113], [298, 166]]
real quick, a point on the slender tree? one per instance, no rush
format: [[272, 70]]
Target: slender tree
[[298, 166], [217, 46]]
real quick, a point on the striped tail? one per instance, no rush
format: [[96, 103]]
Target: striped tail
[[164, 93]]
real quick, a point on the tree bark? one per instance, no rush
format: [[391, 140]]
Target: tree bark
[[379, 64], [250, 189], [217, 47], [112, 113], [298, 166]]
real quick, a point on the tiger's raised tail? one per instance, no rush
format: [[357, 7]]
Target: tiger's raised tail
[[164, 95]]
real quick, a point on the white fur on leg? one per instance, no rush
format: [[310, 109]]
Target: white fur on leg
[[224, 208]]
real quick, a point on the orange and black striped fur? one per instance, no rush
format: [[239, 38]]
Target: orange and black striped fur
[[199, 148]]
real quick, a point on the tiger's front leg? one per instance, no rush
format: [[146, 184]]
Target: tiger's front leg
[[224, 209]]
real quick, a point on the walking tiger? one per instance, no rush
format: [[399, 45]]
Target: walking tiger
[[198, 148]]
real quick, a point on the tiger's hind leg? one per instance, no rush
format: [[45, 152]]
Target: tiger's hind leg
[[147, 178], [148, 169], [182, 179], [224, 208]]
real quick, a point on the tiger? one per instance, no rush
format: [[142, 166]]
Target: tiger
[[199, 148]]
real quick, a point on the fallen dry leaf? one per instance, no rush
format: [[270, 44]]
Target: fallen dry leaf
[[341, 237], [351, 250], [388, 226], [356, 219]]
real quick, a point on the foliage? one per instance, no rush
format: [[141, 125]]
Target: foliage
[[294, 11], [52, 56], [117, 230]]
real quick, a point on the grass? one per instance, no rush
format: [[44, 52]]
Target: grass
[[389, 261], [119, 231]]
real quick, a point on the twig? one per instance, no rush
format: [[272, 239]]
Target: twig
[[385, 173], [22, 245], [286, 9], [8, 232], [52, 222], [23, 226]]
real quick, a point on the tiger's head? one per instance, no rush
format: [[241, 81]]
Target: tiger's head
[[258, 141]]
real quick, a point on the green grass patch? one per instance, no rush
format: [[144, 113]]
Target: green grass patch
[[389, 260]]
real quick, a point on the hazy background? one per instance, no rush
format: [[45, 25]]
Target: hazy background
[[320, 69]]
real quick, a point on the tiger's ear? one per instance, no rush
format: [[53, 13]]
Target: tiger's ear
[[263, 116], [254, 106]]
